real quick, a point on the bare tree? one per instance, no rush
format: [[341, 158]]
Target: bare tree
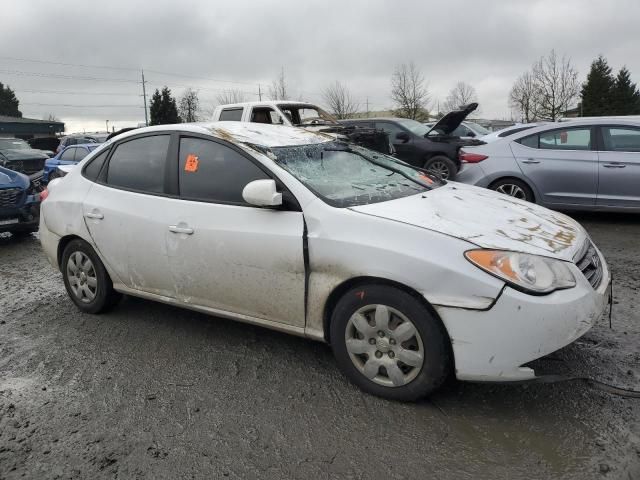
[[409, 92], [278, 89], [556, 86], [339, 100], [189, 107], [522, 97], [461, 94], [50, 117], [231, 96]]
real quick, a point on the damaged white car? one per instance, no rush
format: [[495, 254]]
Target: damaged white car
[[408, 278]]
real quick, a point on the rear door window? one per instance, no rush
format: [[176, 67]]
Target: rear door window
[[231, 115], [210, 171], [621, 139], [81, 152], [139, 164], [92, 170], [566, 139], [68, 155]]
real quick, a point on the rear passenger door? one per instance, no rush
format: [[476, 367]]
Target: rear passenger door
[[126, 212], [561, 163], [619, 166]]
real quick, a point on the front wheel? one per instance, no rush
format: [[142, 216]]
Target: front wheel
[[441, 167], [388, 343]]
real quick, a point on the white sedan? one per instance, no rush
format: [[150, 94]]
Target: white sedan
[[408, 278]]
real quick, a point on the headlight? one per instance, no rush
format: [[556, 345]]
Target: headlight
[[531, 273]]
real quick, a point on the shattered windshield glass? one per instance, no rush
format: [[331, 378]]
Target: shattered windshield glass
[[346, 175]]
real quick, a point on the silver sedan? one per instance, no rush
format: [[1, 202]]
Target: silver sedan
[[578, 165]]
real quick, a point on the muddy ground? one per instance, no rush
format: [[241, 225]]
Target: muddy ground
[[150, 391]]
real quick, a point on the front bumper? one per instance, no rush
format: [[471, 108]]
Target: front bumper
[[491, 345]]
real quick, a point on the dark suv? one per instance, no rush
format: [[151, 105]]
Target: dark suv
[[432, 148], [16, 154]]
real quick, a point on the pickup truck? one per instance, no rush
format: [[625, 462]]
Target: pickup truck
[[304, 115]]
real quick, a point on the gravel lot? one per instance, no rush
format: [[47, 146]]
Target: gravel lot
[[150, 391]]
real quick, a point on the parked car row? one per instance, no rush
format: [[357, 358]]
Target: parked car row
[[24, 172]]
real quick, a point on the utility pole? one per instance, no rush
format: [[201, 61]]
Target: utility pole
[[367, 107], [259, 93], [144, 95], [107, 122]]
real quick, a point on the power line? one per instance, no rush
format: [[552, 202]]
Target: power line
[[66, 77], [79, 106], [69, 92]]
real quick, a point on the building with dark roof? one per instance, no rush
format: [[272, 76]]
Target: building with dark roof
[[27, 128]]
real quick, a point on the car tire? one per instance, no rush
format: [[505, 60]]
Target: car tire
[[514, 188], [86, 279], [371, 342], [442, 167]]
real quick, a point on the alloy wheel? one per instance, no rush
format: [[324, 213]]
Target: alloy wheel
[[512, 190], [384, 345], [439, 169], [81, 274]]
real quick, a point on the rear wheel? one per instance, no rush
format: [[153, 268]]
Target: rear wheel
[[388, 343], [85, 278], [441, 167], [514, 188]]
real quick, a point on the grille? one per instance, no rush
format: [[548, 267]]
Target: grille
[[591, 266], [9, 197]]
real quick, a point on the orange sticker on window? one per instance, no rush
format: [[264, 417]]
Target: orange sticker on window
[[191, 165], [425, 178]]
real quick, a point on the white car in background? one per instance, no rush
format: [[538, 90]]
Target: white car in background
[[410, 279]]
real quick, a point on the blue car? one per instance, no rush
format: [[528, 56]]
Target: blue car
[[19, 201], [68, 156]]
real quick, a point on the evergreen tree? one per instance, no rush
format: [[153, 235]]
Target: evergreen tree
[[163, 108], [625, 95], [597, 90], [8, 102], [155, 108]]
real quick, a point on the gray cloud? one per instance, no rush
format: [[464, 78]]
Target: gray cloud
[[485, 43]]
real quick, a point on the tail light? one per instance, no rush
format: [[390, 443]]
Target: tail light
[[468, 157], [44, 194]]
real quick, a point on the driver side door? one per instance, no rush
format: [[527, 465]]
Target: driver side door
[[225, 254]]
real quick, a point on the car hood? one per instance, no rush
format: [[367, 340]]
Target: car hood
[[486, 219], [452, 120], [23, 154], [10, 178]]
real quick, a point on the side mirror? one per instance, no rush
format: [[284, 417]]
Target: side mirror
[[471, 133], [404, 136], [262, 193]]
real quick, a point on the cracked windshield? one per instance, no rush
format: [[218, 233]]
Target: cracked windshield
[[345, 175]]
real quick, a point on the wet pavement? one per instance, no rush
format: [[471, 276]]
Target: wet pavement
[[151, 391]]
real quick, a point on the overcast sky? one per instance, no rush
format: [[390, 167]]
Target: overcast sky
[[210, 45]]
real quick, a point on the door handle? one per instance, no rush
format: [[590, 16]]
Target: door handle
[[177, 229], [94, 215], [530, 161], [613, 165]]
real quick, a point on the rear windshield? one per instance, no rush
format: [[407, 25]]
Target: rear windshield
[[345, 175]]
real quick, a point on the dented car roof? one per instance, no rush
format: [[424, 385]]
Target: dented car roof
[[243, 133]]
